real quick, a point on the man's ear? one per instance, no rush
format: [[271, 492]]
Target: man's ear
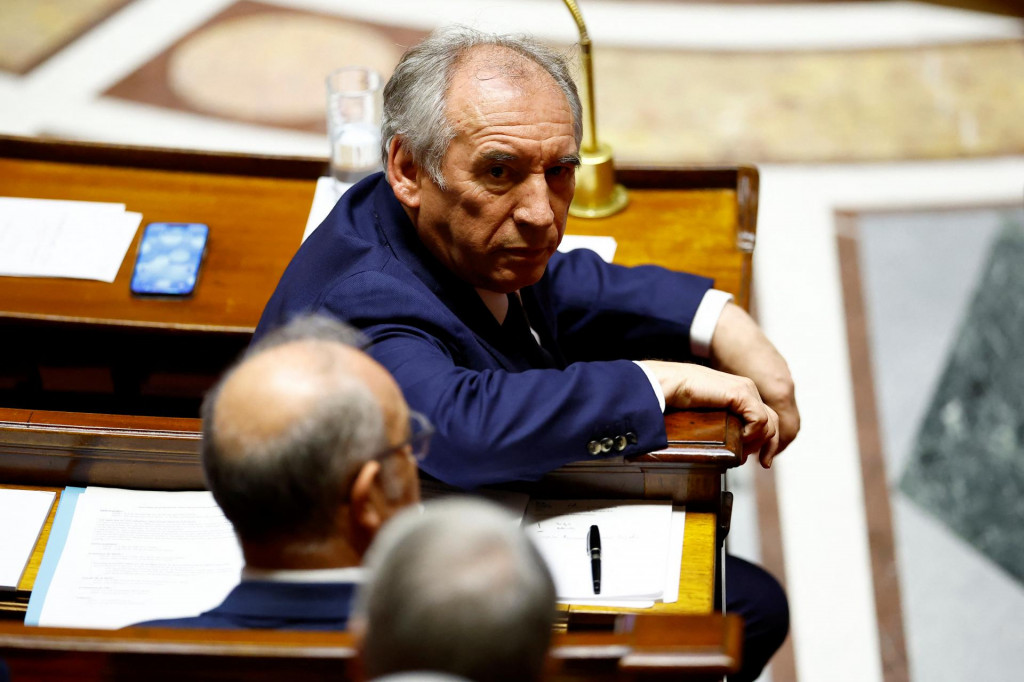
[[404, 175], [366, 511]]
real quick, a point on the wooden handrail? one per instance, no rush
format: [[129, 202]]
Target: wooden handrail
[[71, 448]]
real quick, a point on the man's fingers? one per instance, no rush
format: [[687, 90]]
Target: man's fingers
[[773, 445], [761, 436], [689, 386]]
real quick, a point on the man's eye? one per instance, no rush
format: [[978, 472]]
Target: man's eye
[[558, 172], [497, 171]]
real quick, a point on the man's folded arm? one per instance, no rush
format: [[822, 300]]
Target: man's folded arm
[[610, 311], [650, 312], [740, 347], [494, 425]]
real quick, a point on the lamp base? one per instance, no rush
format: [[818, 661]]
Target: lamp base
[[597, 193]]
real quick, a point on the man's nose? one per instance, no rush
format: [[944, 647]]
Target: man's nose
[[534, 206]]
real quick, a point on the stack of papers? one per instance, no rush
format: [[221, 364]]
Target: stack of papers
[[117, 557], [79, 239], [641, 549]]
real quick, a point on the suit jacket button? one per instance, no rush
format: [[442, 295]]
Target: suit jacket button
[[607, 444], [620, 443], [594, 448], [631, 437]]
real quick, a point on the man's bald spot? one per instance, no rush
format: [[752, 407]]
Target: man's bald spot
[[274, 390]]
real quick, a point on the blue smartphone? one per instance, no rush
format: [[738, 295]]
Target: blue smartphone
[[168, 260]]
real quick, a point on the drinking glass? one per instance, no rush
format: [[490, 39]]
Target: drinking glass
[[354, 101]]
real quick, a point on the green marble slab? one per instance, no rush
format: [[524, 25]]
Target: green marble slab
[[967, 466]]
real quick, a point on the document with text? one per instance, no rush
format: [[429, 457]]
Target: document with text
[[134, 555]]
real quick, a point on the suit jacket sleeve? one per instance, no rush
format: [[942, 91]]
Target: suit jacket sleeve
[[495, 425], [607, 311]]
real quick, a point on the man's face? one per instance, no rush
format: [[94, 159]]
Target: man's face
[[510, 173]]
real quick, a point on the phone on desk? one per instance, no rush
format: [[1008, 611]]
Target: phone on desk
[[168, 260]]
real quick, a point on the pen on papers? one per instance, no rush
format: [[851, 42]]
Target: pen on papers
[[594, 550]]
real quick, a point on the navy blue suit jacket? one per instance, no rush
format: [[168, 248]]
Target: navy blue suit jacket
[[258, 604], [497, 419]]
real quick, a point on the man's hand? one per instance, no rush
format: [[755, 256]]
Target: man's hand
[[739, 347], [689, 386]]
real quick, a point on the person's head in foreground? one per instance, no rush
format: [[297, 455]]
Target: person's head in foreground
[[457, 589], [481, 138], [308, 447]]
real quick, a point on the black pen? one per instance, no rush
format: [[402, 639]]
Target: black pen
[[594, 550]]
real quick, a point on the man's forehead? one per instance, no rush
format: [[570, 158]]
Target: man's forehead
[[498, 70]]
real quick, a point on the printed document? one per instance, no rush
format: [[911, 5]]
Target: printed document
[[78, 239], [138, 555]]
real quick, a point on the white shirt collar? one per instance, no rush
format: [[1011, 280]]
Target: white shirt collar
[[496, 303], [350, 574]]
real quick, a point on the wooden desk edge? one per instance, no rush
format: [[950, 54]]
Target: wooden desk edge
[[708, 644], [132, 439]]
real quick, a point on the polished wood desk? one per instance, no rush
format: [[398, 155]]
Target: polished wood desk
[[637, 648], [73, 348]]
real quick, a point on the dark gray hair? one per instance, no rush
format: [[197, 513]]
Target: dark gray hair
[[311, 327], [459, 589], [291, 485], [416, 96]]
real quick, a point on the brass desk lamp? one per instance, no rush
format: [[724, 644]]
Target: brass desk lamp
[[597, 194]]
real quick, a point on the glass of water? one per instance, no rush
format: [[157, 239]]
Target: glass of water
[[354, 101]]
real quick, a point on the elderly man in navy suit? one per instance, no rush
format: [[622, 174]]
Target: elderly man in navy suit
[[526, 359], [308, 447]]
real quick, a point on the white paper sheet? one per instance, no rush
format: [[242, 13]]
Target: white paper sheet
[[137, 555], [79, 239], [602, 246], [325, 196], [674, 556], [635, 536], [22, 515], [328, 192]]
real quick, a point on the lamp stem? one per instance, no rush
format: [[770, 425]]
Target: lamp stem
[[590, 140], [597, 194]]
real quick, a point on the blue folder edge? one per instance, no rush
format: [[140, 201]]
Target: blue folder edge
[[54, 547]]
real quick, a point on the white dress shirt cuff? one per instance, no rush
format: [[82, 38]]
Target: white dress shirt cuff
[[655, 384], [705, 320]]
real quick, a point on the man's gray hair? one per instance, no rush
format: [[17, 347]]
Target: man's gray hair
[[291, 485], [416, 96], [459, 589], [310, 327]]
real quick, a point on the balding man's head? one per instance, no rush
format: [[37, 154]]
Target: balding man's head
[[288, 430]]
